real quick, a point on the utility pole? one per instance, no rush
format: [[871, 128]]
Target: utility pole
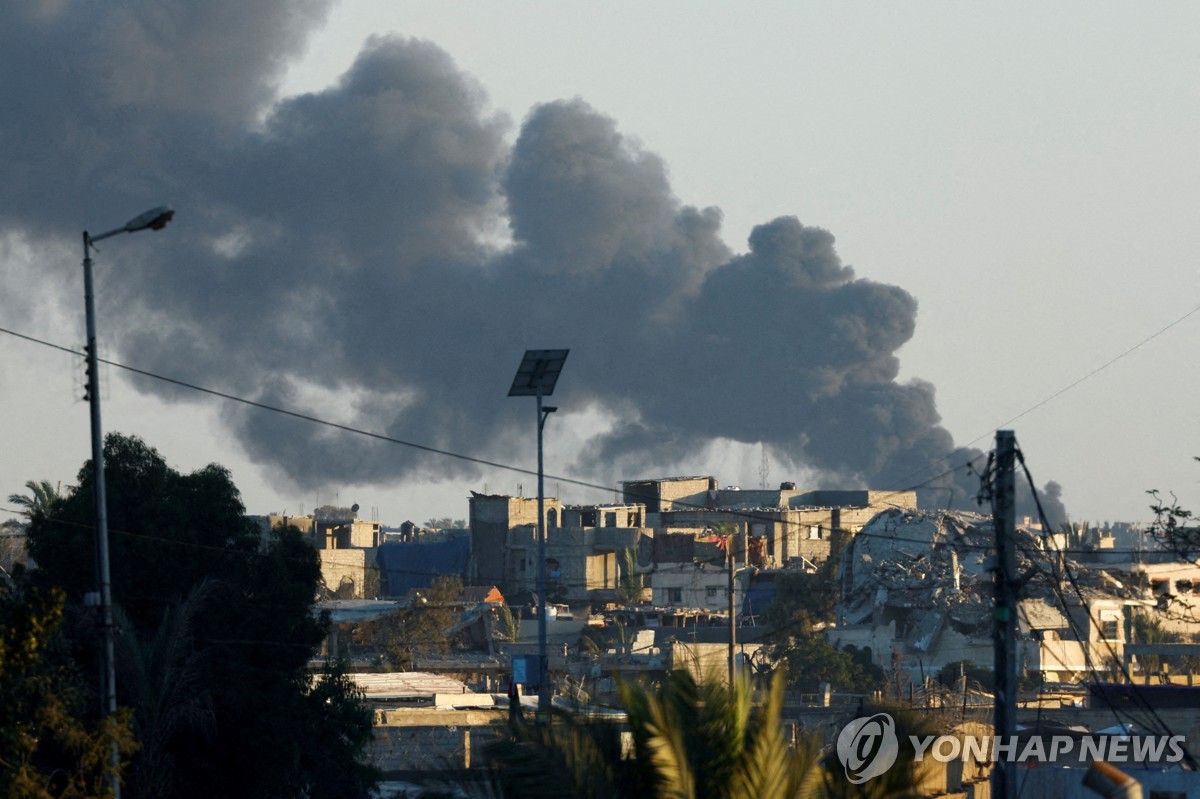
[[1004, 782], [732, 562]]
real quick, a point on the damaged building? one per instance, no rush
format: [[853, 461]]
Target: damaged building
[[916, 592]]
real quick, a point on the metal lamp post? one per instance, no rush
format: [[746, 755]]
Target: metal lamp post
[[536, 377], [154, 219]]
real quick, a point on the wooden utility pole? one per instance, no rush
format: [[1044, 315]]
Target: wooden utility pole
[[1004, 782]]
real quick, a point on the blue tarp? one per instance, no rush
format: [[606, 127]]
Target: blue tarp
[[403, 567], [760, 594]]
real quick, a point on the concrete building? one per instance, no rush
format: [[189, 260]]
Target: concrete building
[[794, 525], [346, 545], [582, 562], [770, 528], [492, 518], [696, 585]]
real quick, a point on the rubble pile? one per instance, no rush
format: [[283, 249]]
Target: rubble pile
[[929, 570]]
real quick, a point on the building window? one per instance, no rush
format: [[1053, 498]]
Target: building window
[[1110, 629], [714, 593], [552, 518], [610, 519], [675, 595], [522, 564]]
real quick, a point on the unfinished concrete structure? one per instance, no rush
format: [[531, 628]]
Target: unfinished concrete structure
[[492, 518]]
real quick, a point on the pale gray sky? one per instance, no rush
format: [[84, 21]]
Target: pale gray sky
[[1027, 171]]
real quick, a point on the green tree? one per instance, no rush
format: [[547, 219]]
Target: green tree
[[984, 677], [508, 626], [809, 661], [802, 603], [51, 741], [1148, 629], [1174, 526], [420, 628], [255, 632], [446, 523], [805, 601]]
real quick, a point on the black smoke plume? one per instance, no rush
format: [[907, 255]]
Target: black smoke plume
[[382, 251]]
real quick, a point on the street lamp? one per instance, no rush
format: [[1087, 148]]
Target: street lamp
[[536, 376], [154, 219]]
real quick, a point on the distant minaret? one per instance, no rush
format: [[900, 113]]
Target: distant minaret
[[764, 469]]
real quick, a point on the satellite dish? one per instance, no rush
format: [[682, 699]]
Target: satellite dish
[[354, 508]]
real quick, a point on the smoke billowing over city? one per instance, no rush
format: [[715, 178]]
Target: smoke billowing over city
[[381, 252]]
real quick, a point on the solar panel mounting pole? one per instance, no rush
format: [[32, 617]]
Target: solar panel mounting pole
[[536, 376]]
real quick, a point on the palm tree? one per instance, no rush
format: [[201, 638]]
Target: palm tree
[[163, 674], [629, 583], [42, 498], [689, 739], [703, 738]]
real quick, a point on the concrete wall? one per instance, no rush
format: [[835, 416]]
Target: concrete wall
[[705, 661], [431, 740], [340, 565], [587, 560], [667, 493], [880, 500]]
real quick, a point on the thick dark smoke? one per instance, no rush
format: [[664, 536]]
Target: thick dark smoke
[[380, 252]]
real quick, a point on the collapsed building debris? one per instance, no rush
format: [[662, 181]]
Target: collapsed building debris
[[916, 586]]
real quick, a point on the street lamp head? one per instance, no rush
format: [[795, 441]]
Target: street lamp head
[[154, 219]]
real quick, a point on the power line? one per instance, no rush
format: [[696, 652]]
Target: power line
[[569, 480], [1056, 394], [1069, 574]]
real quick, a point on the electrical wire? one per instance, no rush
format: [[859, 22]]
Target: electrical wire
[[1069, 574], [629, 495], [1056, 394]]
